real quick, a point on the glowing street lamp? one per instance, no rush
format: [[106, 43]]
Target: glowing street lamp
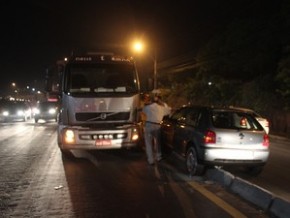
[[138, 47]]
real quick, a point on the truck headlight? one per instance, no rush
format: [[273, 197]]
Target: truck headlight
[[135, 135], [69, 136]]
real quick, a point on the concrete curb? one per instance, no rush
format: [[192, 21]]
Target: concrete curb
[[250, 192]]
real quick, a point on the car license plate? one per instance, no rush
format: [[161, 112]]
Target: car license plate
[[105, 143]]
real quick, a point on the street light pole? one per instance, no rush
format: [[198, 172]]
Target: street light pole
[[155, 71]]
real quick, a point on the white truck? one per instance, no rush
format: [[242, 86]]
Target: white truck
[[99, 103]]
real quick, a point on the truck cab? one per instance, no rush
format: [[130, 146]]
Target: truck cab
[[99, 103]]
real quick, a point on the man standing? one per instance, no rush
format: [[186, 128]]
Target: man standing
[[154, 113]]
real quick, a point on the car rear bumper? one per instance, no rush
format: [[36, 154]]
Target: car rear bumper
[[235, 156]]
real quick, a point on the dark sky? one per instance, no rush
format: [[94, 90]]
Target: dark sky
[[36, 33]]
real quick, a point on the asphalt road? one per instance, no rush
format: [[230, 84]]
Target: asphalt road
[[37, 181]]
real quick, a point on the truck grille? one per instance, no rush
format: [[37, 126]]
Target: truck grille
[[105, 116]]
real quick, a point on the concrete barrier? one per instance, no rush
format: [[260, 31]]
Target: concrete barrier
[[280, 208], [250, 192], [222, 177]]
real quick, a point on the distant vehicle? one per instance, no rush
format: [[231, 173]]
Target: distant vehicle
[[15, 110], [46, 111], [263, 121], [211, 136]]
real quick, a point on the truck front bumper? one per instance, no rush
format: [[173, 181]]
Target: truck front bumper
[[89, 138]]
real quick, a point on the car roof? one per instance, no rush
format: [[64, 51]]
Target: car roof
[[221, 108], [241, 108]]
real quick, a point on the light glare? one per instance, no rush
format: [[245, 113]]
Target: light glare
[[138, 47], [69, 136]]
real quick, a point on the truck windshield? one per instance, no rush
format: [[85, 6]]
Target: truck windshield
[[101, 78]]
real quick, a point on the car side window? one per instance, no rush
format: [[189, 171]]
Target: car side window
[[179, 115], [222, 120], [192, 117]]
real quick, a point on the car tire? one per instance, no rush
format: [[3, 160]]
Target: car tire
[[192, 165], [35, 120]]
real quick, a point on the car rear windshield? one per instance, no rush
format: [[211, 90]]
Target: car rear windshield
[[234, 120]]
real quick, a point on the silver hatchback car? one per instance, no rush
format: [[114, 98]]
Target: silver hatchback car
[[212, 136]]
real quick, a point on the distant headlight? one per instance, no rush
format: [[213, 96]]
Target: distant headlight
[[20, 113], [36, 111], [5, 113], [52, 111]]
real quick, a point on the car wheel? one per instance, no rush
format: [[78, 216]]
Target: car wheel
[[191, 161], [192, 165], [35, 120]]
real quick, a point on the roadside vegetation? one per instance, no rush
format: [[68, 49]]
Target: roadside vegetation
[[246, 65]]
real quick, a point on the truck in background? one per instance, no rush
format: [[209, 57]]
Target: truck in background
[[99, 96]]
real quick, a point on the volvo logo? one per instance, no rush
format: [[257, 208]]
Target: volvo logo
[[103, 116]]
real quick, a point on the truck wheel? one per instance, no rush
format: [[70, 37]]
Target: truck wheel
[[66, 154]]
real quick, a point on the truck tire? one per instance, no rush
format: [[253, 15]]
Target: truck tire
[[66, 154]]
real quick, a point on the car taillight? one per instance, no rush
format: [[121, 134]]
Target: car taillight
[[266, 140], [210, 137]]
